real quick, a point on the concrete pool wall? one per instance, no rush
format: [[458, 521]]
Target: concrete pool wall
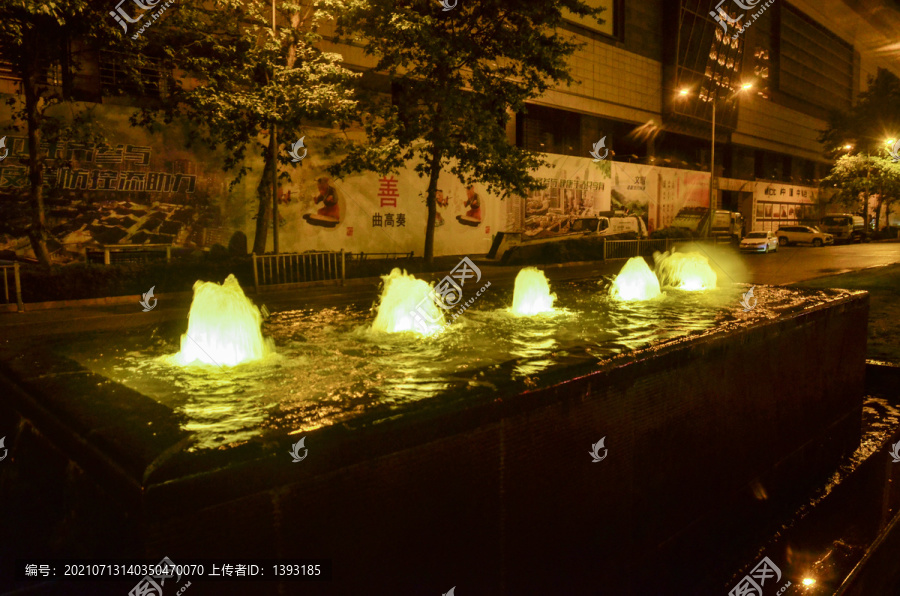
[[707, 436]]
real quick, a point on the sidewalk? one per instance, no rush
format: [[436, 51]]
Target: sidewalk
[[883, 285]]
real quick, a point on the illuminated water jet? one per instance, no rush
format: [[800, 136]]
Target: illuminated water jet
[[223, 327], [635, 282], [685, 271], [532, 293], [405, 305]]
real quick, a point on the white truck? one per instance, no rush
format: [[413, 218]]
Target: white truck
[[605, 224], [725, 224], [845, 227]]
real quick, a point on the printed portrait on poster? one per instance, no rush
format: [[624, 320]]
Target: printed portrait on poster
[[472, 217], [328, 214]]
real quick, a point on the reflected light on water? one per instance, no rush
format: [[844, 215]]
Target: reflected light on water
[[532, 293]]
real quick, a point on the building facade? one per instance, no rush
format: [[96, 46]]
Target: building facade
[[646, 81]]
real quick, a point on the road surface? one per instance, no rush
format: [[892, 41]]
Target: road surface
[[791, 264]]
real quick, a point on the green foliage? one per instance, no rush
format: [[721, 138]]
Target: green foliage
[[42, 38], [457, 78], [563, 251], [237, 245], [79, 281], [671, 232], [849, 178], [868, 124], [238, 78]]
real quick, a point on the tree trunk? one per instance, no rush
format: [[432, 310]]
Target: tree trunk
[[878, 207], [37, 233], [434, 173], [264, 197]]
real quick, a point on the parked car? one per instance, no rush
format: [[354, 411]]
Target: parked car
[[760, 242], [803, 235]]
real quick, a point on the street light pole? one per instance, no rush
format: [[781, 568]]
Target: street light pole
[[713, 190], [866, 204], [712, 168], [274, 155]]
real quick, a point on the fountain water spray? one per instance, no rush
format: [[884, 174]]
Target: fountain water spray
[[223, 327], [406, 305], [684, 271], [635, 282], [532, 294]]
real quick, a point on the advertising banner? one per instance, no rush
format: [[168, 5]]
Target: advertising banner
[[573, 187], [778, 205]]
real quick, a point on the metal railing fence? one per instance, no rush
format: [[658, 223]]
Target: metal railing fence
[[625, 249], [298, 267], [128, 253]]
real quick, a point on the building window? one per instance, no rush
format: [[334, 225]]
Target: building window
[[814, 64], [50, 70], [118, 76], [548, 130]]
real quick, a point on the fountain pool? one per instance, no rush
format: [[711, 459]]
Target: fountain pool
[[332, 367], [468, 446]]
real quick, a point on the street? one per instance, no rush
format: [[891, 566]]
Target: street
[[797, 263]]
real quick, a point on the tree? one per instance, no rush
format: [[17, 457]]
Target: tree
[[457, 78], [242, 80], [866, 125], [865, 128], [855, 176], [37, 35]]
